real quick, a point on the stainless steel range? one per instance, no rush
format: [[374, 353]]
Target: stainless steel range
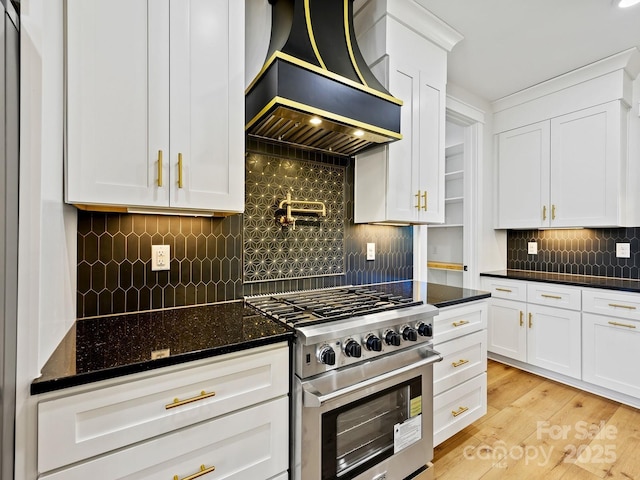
[[362, 390]]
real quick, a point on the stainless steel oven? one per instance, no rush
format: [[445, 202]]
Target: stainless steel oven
[[362, 400], [369, 421]]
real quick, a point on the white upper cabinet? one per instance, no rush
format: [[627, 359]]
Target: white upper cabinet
[[565, 172], [562, 150], [155, 104], [403, 182]]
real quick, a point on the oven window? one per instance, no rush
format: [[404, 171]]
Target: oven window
[[361, 434]]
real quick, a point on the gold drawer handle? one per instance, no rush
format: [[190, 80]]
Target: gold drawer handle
[[417, 195], [461, 362], [521, 318], [622, 325], [556, 297], [544, 212], [460, 411], [503, 290], [530, 320], [159, 168], [424, 196], [178, 403], [618, 305], [553, 212], [460, 323], [203, 471]]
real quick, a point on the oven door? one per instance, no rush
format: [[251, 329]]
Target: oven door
[[359, 423]]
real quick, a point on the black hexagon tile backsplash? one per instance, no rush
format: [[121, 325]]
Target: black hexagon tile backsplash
[[580, 251], [114, 250]]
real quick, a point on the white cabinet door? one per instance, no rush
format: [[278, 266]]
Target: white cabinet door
[[523, 177], [585, 167], [611, 355], [554, 339], [117, 101], [155, 104], [207, 104], [507, 331]]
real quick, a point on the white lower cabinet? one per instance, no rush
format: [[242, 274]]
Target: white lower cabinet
[[229, 412], [611, 341], [247, 445], [460, 379], [585, 337], [542, 327]]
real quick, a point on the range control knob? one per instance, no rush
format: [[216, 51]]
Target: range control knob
[[425, 329], [352, 349], [373, 343], [392, 338], [409, 334], [327, 355]]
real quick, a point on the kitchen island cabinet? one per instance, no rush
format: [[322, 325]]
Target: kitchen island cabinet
[[155, 105], [228, 413], [403, 182]]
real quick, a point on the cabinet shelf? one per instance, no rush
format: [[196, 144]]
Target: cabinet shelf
[[454, 200], [454, 175], [447, 225]]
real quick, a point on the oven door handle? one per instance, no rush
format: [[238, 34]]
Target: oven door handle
[[314, 399]]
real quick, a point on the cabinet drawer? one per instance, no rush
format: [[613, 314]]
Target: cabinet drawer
[[98, 420], [554, 296], [509, 289], [453, 322], [604, 302], [459, 407], [463, 359], [252, 443]]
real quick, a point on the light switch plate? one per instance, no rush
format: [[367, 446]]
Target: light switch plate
[[532, 248], [623, 250], [371, 251], [160, 257]]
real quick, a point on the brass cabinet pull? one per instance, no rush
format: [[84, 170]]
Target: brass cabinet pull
[[619, 305], [521, 318], [622, 325], [180, 184], [203, 471], [544, 212], [424, 196], [460, 323], [550, 296], [457, 364], [553, 212], [417, 195], [503, 290], [530, 319], [460, 411], [178, 403], [159, 168]]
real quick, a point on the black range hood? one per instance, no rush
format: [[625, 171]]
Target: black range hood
[[315, 89]]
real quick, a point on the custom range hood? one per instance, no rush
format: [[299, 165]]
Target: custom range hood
[[315, 89]]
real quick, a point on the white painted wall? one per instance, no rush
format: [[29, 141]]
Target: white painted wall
[[47, 232], [257, 35]]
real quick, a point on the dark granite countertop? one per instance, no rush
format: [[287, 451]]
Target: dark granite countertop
[[107, 347], [99, 348], [609, 283]]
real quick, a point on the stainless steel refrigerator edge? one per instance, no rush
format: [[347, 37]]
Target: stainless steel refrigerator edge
[[9, 169]]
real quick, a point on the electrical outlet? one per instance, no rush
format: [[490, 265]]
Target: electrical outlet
[[623, 250], [371, 251], [532, 248], [160, 257]]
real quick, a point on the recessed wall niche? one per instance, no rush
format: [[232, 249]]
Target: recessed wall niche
[[313, 245]]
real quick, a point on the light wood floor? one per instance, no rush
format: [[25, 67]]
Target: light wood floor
[[539, 429]]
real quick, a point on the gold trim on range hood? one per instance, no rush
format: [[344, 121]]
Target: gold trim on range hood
[[289, 94]]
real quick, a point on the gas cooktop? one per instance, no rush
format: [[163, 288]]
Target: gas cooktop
[[298, 309]]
